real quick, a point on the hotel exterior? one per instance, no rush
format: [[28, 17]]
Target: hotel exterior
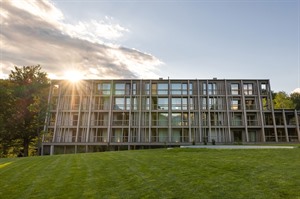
[[99, 115]]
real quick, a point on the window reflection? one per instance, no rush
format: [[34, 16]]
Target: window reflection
[[179, 89], [162, 103], [104, 88], [248, 89], [212, 88], [234, 89], [179, 103], [162, 89]]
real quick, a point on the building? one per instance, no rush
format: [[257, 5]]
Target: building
[[96, 115]]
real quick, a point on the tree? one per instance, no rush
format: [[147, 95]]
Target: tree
[[283, 101], [295, 97], [30, 91], [6, 110]]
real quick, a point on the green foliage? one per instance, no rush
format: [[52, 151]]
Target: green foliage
[[295, 97], [175, 173], [283, 101], [7, 109], [25, 107]]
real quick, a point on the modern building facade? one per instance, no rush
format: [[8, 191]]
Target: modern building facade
[[97, 115]]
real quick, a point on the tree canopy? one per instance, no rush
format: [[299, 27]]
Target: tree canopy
[[283, 101], [295, 97], [25, 96]]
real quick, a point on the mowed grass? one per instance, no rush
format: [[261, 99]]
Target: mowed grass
[[159, 173]]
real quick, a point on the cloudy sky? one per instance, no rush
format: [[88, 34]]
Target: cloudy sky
[[232, 39]]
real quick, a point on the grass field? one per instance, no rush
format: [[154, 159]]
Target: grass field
[[159, 173]]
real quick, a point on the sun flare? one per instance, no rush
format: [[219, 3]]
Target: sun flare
[[73, 75]]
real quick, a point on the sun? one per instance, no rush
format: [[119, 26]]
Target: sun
[[73, 75]]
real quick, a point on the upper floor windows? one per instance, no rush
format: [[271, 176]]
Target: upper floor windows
[[146, 89], [159, 89], [248, 89], [134, 89], [263, 88], [104, 88], [210, 88], [235, 104], [235, 89], [250, 104], [119, 89], [121, 103], [179, 103], [191, 88], [178, 89], [122, 89], [162, 104], [162, 89]]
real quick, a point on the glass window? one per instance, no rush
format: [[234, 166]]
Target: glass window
[[134, 89], [251, 120], [104, 88], [135, 104], [237, 120], [146, 90], [184, 89], [204, 103], [119, 89], [184, 104], [145, 103], [204, 88], [127, 103], [212, 88], [263, 88], [179, 103], [179, 89], [235, 104], [162, 88], [191, 88], [163, 119], [192, 104], [176, 86], [213, 104], [75, 120], [234, 89], [119, 104], [176, 119], [204, 119], [154, 89], [250, 104], [176, 103], [162, 103], [176, 89], [119, 86], [248, 89], [127, 89]]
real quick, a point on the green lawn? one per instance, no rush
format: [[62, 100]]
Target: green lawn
[[159, 173]]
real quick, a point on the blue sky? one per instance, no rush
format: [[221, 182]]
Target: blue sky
[[151, 39]]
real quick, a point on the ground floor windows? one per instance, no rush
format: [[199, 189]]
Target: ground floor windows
[[237, 136]]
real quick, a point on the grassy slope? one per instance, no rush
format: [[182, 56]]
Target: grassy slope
[[176, 173]]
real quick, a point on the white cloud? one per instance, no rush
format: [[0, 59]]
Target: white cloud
[[297, 90], [34, 32], [40, 8], [94, 31]]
